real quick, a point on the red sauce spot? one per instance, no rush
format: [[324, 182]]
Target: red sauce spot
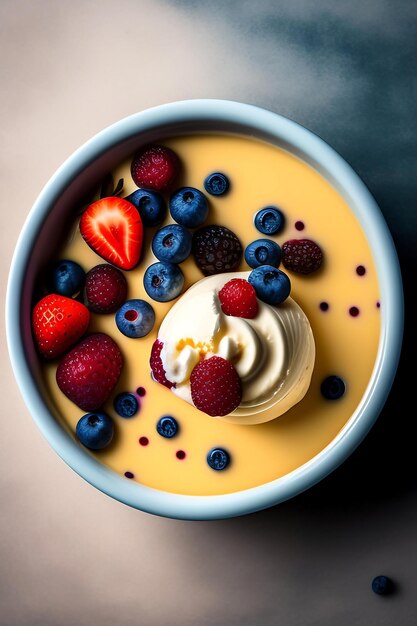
[[361, 270], [354, 311], [180, 454], [141, 391], [324, 306], [143, 441], [299, 225], [129, 475], [131, 315]]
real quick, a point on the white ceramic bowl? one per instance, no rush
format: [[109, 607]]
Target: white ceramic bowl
[[84, 170]]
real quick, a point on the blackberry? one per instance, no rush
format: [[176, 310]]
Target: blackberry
[[216, 249], [302, 256]]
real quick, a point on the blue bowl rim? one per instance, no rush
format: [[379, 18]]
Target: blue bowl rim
[[303, 142]]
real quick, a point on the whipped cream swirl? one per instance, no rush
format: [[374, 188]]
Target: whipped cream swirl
[[273, 353]]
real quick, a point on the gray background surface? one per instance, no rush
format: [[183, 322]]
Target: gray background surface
[[69, 555]]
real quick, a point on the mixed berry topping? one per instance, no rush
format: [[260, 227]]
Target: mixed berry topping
[[302, 256], [155, 167], [135, 318], [217, 184], [113, 228], [269, 221], [105, 288], [216, 250], [238, 298], [216, 388]]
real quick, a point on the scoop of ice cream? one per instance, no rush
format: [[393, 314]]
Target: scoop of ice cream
[[273, 353]]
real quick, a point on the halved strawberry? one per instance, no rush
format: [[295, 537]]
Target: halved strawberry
[[112, 227]]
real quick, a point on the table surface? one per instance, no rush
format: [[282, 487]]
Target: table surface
[[70, 555]]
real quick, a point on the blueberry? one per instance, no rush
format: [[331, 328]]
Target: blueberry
[[218, 459], [271, 284], [217, 184], [95, 430], [333, 387], [163, 281], [188, 207], [167, 426], [269, 220], [126, 405], [65, 278], [150, 204], [382, 585], [135, 318], [263, 252], [172, 243]]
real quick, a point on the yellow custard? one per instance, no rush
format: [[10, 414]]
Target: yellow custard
[[346, 344]]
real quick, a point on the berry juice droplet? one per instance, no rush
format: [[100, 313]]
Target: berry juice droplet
[[180, 455], [354, 311], [129, 475], [378, 305], [361, 270], [324, 306], [299, 225], [143, 441], [141, 391]]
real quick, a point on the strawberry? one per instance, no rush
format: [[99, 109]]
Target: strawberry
[[302, 256], [157, 366], [112, 227], [238, 298], [155, 167], [88, 374], [216, 388], [58, 323]]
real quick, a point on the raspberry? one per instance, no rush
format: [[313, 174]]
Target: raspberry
[[155, 167], [238, 298], [216, 388], [157, 366], [302, 256], [216, 250], [105, 288], [88, 374]]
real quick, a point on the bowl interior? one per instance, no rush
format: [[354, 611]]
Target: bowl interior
[[50, 219]]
